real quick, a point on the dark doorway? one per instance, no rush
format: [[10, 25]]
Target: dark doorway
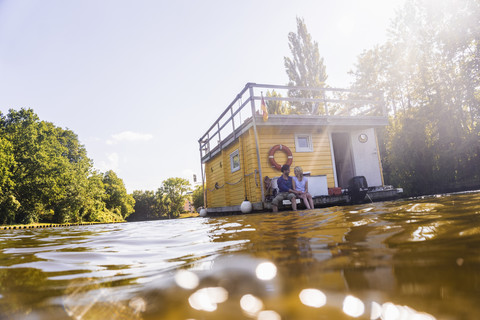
[[342, 150]]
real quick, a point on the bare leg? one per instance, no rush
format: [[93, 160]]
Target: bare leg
[[305, 201], [274, 208], [310, 200], [294, 204]]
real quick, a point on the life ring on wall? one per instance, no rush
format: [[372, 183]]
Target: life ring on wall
[[271, 156]]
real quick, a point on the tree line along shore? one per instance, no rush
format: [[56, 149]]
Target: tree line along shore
[[46, 177]]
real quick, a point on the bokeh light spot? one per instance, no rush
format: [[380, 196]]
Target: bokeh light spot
[[186, 279], [266, 271], [268, 315], [137, 304], [376, 311], [313, 298], [353, 307], [251, 304], [206, 299], [390, 311]]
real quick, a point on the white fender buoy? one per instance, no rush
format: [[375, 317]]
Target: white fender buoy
[[203, 212], [246, 206]]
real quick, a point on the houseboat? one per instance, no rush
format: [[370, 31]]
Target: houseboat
[[330, 133]]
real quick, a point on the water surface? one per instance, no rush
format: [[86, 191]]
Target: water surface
[[406, 259]]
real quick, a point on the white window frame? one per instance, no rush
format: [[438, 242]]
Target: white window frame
[[234, 168], [308, 148]]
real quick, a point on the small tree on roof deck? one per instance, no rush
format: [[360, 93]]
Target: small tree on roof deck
[[277, 106], [305, 68]]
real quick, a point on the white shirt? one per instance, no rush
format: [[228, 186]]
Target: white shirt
[[300, 185]]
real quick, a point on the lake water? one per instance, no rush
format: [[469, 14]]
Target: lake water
[[406, 259]]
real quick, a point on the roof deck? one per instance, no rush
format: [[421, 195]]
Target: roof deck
[[292, 106]]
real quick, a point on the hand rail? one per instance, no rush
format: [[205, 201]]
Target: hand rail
[[373, 99]]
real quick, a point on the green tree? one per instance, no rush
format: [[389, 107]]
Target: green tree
[[8, 203], [117, 199], [49, 165], [94, 204], [171, 196], [197, 197], [46, 176], [305, 68], [277, 106], [7, 164], [20, 129], [428, 70], [145, 206]]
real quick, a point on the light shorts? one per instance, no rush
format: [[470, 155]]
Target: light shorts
[[282, 196]]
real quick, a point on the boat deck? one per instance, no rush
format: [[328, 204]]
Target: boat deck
[[376, 195]]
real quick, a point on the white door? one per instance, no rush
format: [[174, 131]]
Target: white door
[[365, 156]]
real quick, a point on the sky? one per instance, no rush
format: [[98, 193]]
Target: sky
[[141, 81]]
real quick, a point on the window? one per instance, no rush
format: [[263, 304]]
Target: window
[[234, 161], [303, 143]]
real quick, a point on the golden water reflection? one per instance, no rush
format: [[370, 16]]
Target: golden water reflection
[[412, 259]]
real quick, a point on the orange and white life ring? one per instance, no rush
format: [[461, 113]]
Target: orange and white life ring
[[271, 156]]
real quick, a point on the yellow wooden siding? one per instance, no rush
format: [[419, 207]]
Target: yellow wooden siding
[[252, 169], [214, 175], [318, 162], [234, 182]]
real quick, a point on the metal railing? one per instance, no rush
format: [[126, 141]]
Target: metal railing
[[289, 101]]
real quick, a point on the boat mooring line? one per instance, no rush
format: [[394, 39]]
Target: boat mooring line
[[232, 184], [371, 201]]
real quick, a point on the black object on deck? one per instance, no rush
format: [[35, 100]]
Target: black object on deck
[[357, 189]]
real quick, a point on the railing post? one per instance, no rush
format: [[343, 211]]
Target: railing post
[[252, 103], [233, 122], [203, 179], [208, 142]]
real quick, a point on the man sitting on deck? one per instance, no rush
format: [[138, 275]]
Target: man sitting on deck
[[286, 189]]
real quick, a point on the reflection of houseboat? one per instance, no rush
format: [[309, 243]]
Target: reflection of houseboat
[[330, 133]]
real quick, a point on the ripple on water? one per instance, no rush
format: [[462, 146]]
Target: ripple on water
[[368, 260]]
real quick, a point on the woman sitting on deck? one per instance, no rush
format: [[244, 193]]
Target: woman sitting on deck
[[301, 184]]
